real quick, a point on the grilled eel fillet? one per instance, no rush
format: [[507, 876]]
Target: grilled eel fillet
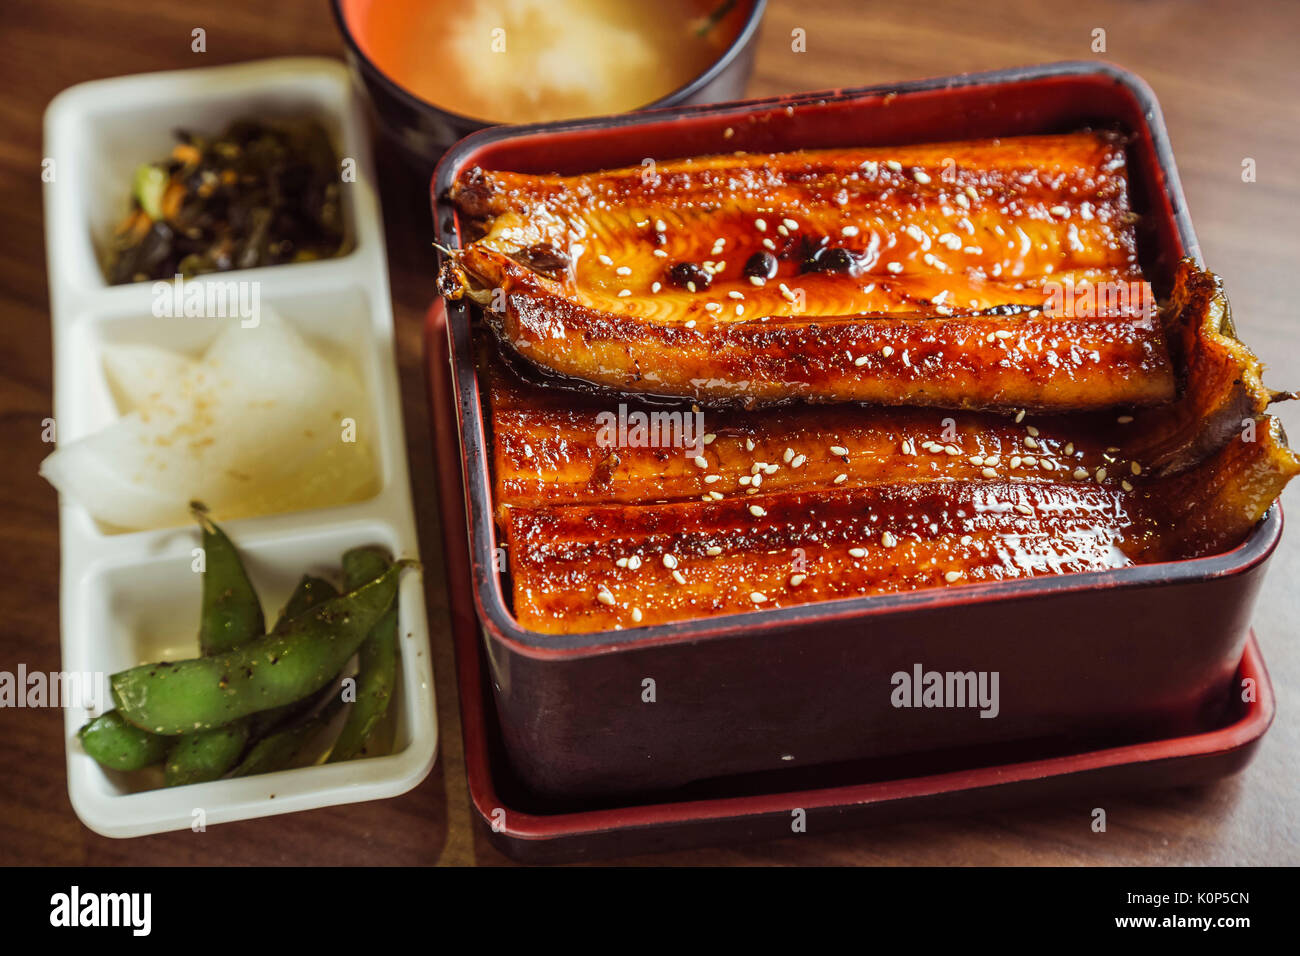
[[933, 275], [605, 535]]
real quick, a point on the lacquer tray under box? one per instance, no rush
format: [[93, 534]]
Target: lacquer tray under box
[[1119, 656]]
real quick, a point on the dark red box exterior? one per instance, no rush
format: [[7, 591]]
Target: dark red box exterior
[[1121, 655]]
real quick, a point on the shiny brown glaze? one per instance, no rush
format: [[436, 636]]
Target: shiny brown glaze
[[554, 446], [1103, 489], [939, 289], [587, 568]]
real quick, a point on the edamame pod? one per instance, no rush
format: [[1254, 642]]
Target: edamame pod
[[232, 613], [377, 660], [276, 750], [310, 592], [119, 745], [206, 692], [207, 755]]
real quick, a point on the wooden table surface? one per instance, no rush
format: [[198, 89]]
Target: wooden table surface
[[1224, 72]]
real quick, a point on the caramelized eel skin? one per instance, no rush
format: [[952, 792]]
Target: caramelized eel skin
[[951, 249], [597, 567], [549, 446], [572, 509]]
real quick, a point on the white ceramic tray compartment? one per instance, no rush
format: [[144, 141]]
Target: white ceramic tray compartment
[[132, 597]]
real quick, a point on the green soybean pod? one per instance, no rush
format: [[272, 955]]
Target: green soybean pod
[[377, 659], [205, 692], [207, 755], [310, 592], [276, 750], [119, 745], [232, 613]]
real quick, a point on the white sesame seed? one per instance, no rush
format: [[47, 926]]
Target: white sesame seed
[[841, 478], [798, 461], [887, 351], [701, 461], [857, 552], [771, 469], [1101, 475], [660, 253], [603, 596], [679, 577], [760, 225], [689, 323], [716, 495], [1124, 419], [1030, 442], [992, 459], [1030, 460], [1125, 485], [712, 306], [906, 361], [621, 562], [1046, 465], [1069, 448], [1079, 474], [1032, 430], [914, 232], [849, 231], [789, 224], [861, 360], [962, 201], [605, 260], [733, 294], [952, 450], [670, 561], [951, 576], [758, 597], [757, 511], [710, 438], [920, 176], [976, 460], [1020, 416], [894, 267], [636, 614], [710, 479], [1060, 211], [623, 270], [749, 444], [745, 479], [1024, 509], [661, 226], [713, 550], [894, 165], [634, 562], [1135, 468], [888, 540], [757, 280], [789, 453], [655, 287], [756, 481], [769, 244], [740, 309], [839, 450], [624, 293], [989, 473], [796, 580]]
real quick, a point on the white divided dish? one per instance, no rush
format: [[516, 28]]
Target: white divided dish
[[130, 597]]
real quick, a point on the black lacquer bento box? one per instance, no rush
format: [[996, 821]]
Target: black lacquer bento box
[[1119, 656]]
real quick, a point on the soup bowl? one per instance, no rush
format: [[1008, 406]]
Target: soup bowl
[[424, 130]]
